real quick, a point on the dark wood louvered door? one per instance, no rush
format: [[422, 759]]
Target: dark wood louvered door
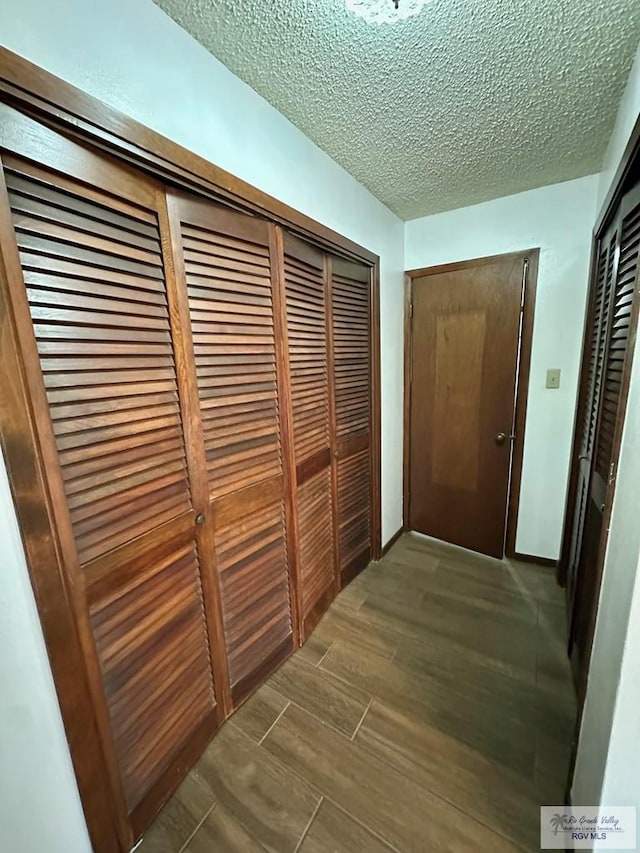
[[597, 334], [351, 376], [224, 267], [306, 288], [605, 415], [94, 306]]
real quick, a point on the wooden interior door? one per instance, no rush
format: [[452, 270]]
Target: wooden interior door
[[224, 268], [604, 419], [94, 303], [305, 284], [351, 378], [464, 358]]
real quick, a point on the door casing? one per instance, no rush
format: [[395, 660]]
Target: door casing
[[627, 175]]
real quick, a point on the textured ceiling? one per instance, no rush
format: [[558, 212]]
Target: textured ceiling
[[472, 100]]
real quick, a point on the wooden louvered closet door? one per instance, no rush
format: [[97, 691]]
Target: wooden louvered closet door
[[597, 331], [350, 298], [306, 308], [224, 267], [93, 303], [618, 327]]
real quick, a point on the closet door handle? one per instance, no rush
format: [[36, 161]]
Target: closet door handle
[[200, 519]]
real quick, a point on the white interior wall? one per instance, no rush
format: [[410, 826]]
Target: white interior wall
[[617, 605], [559, 220], [609, 745], [622, 774], [134, 58], [625, 120], [39, 803]]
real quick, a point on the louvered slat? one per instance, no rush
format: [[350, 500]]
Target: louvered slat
[[594, 344], [315, 525], [102, 328], [354, 484], [306, 324], [252, 561], [625, 285], [229, 287], [350, 302], [151, 639], [601, 348]]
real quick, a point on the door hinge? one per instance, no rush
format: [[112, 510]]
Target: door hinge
[[523, 290], [411, 310], [612, 473]]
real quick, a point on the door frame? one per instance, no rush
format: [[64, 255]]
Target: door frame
[[71, 112], [529, 285], [626, 176]]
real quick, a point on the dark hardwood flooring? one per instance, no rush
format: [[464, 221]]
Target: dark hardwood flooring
[[431, 709]]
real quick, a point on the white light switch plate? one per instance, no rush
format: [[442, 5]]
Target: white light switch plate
[[553, 378]]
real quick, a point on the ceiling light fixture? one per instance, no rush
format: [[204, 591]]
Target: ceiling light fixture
[[385, 11]]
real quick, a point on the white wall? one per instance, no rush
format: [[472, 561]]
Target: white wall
[[625, 120], [607, 765], [39, 803], [622, 775], [134, 58], [558, 219], [616, 601]]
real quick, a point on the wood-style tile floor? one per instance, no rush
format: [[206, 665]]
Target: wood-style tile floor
[[431, 710]]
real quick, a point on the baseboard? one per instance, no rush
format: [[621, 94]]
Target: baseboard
[[539, 561], [392, 541], [353, 569]]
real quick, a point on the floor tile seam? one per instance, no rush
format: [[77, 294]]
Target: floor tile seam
[[438, 641], [309, 823], [364, 714], [190, 838], [306, 711], [364, 826], [441, 797], [326, 652], [288, 701], [325, 672]]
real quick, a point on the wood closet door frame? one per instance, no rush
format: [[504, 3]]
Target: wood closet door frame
[[627, 175], [520, 414], [58, 105]]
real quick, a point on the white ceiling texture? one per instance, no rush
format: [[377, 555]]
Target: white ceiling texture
[[470, 100]]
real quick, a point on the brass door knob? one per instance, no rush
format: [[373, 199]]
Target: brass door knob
[[501, 437]]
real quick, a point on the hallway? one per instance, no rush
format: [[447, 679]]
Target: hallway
[[432, 708]]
